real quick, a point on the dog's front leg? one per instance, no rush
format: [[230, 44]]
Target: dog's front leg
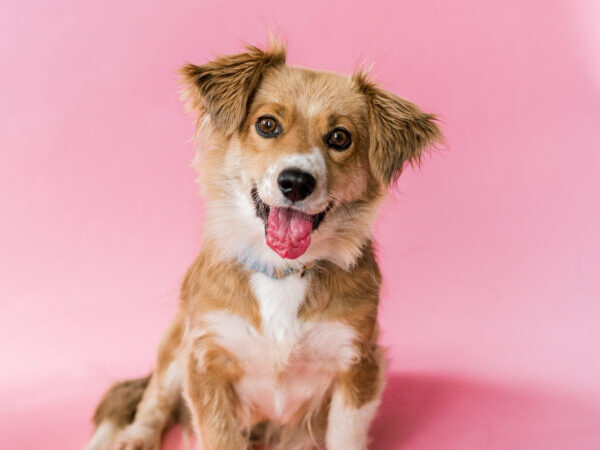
[[214, 403], [162, 396], [354, 403]]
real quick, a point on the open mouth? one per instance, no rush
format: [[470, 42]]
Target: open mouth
[[287, 230]]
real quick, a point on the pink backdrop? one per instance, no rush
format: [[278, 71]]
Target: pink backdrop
[[491, 251]]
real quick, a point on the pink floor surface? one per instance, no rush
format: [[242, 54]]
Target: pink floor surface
[[490, 252]]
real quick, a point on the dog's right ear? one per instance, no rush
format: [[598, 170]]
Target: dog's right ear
[[223, 87]]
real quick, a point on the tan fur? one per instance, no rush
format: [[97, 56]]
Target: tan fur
[[120, 402], [194, 362], [223, 87], [400, 130], [213, 283]]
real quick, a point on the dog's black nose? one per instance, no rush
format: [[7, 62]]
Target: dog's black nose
[[296, 184]]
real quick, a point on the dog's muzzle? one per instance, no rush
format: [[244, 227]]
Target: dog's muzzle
[[288, 230]]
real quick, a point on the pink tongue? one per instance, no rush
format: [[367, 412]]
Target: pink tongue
[[288, 232]]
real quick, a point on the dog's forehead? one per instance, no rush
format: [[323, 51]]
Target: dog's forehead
[[310, 92]]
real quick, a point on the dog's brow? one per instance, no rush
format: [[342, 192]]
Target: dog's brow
[[273, 107], [336, 119]]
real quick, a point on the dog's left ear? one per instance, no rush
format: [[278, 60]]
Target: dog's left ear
[[222, 88], [399, 131]]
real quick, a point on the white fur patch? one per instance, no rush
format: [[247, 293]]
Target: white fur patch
[[160, 394], [348, 427], [103, 436], [279, 301], [288, 363], [138, 436], [313, 163], [173, 378]]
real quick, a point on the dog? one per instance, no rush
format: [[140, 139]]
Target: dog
[[275, 339]]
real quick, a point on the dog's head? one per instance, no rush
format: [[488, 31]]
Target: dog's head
[[295, 158]]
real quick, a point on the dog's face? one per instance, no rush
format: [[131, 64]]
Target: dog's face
[[305, 142], [298, 159]]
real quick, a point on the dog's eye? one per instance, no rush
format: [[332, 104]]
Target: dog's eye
[[339, 139], [267, 126]]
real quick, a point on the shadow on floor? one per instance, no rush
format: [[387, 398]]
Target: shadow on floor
[[427, 412]]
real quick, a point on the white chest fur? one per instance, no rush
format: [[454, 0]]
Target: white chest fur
[[289, 363], [279, 301]]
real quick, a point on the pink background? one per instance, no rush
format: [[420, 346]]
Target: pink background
[[491, 251]]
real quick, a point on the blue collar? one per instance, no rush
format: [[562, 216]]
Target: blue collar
[[249, 262]]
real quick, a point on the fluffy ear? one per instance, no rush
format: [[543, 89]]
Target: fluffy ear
[[222, 88], [399, 130]]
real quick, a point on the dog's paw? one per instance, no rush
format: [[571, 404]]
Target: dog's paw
[[136, 437]]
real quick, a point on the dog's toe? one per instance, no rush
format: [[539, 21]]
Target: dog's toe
[[137, 438]]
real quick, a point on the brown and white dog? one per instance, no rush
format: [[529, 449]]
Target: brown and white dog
[[275, 339]]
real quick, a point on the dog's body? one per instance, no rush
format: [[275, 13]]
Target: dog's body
[[275, 340]]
